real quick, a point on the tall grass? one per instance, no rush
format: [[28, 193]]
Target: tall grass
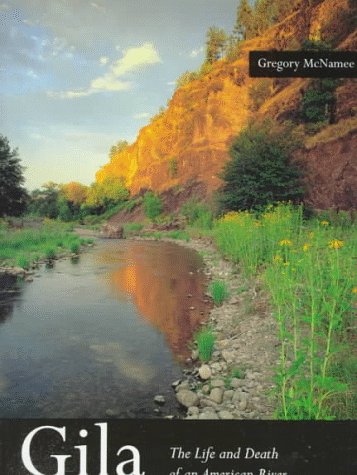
[[219, 291], [310, 273], [205, 343], [23, 247]]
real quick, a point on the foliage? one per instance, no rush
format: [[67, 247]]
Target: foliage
[[259, 93], [44, 201], [74, 192], [197, 214], [260, 171], [205, 343], [12, 194], [186, 78], [173, 167], [308, 269], [117, 148], [152, 205], [215, 44], [243, 26], [318, 101], [219, 291], [25, 247], [102, 195]]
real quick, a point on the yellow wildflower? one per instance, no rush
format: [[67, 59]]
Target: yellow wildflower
[[306, 247], [311, 235], [354, 290], [277, 258], [324, 223], [257, 224], [335, 244], [285, 242]]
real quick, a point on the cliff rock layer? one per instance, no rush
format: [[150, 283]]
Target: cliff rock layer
[[191, 138]]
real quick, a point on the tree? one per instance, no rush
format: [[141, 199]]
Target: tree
[[44, 201], [244, 21], [215, 44], [260, 171], [12, 194], [102, 195], [117, 148]]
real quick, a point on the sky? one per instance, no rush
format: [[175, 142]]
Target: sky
[[77, 76]]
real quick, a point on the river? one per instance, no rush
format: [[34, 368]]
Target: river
[[102, 335]]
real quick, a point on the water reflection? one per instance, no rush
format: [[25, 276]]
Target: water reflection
[[106, 333], [167, 287], [10, 291]]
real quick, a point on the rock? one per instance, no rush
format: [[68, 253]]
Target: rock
[[112, 231], [111, 413], [206, 389], [229, 356], [182, 386], [227, 395], [193, 411], [205, 372], [216, 366], [235, 383], [217, 383], [225, 415], [176, 383], [194, 355], [159, 399], [187, 398], [216, 395], [208, 416], [208, 403]]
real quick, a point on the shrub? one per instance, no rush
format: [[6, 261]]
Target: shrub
[[23, 262], [50, 253], [74, 247], [173, 167], [260, 171], [259, 92], [197, 214], [152, 205], [219, 292], [205, 343]]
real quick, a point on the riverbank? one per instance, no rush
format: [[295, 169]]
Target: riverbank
[[237, 382], [23, 249]]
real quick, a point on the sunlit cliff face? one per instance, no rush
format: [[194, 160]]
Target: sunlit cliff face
[[204, 116], [167, 290]]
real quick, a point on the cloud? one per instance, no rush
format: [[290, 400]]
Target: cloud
[[4, 7], [141, 115], [133, 59], [98, 7], [104, 60], [196, 52]]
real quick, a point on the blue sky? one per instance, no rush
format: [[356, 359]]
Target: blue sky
[[76, 76]]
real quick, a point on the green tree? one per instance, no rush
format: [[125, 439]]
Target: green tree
[[215, 44], [12, 194], [44, 201], [152, 205], [102, 195], [264, 15], [260, 171], [244, 21], [117, 148]]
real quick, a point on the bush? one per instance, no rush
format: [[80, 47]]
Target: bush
[[205, 343], [260, 172], [152, 205], [74, 247], [50, 253], [197, 214], [219, 292]]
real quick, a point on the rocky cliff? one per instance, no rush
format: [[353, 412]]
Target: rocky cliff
[[189, 141]]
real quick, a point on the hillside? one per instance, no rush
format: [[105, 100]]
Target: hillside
[[189, 141]]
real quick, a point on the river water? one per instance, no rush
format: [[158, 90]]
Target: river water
[[102, 335]]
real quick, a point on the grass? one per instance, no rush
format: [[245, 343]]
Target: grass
[[24, 247], [219, 291], [309, 272], [205, 343]]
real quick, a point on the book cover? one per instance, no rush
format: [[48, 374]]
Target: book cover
[[178, 286]]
